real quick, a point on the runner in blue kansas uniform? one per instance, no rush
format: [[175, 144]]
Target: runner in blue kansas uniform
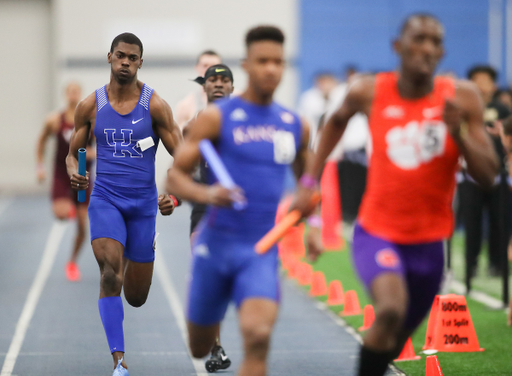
[[128, 119], [256, 139]]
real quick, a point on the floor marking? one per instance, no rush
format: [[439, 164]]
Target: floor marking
[[50, 251], [164, 277], [481, 297]]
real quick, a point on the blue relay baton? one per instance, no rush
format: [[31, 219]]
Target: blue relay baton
[[219, 170], [81, 171]]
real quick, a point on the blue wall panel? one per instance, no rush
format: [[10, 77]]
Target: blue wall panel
[[335, 33]]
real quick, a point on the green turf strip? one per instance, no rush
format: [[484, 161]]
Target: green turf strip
[[490, 326]]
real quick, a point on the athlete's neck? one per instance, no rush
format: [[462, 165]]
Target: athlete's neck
[[414, 87], [121, 91], [252, 96]]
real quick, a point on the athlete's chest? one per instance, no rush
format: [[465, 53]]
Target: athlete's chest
[[268, 137], [412, 133]]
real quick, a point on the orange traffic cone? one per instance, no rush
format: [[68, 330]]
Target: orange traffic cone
[[318, 285], [450, 327], [305, 274], [286, 260], [369, 317], [335, 296], [331, 207], [292, 242], [433, 367], [407, 352], [293, 268], [352, 306]]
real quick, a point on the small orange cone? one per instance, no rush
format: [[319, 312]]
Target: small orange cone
[[407, 352], [369, 317], [331, 207], [433, 367], [305, 274], [293, 268], [293, 241], [318, 285], [352, 306], [335, 296]]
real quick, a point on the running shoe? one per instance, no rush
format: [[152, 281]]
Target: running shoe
[[120, 370], [218, 360], [72, 272]]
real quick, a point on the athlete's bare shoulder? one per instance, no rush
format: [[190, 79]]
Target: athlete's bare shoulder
[[157, 103], [52, 121], [86, 110], [467, 96], [360, 93]]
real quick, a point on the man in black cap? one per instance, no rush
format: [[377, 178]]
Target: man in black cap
[[217, 84]]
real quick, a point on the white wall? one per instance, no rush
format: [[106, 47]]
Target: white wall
[[25, 77], [41, 39], [170, 30]]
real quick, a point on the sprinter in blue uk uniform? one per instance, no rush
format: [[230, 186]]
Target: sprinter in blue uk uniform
[[256, 139], [128, 119]]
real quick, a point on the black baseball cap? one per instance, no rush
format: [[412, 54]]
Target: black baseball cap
[[215, 70]]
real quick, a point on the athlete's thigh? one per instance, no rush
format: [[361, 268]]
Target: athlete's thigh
[[210, 286], [140, 239], [424, 264], [380, 267], [257, 276], [106, 219]]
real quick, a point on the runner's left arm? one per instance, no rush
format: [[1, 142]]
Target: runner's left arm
[[464, 118], [170, 134]]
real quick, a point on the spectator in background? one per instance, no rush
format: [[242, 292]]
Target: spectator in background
[[351, 152], [313, 102], [504, 97], [187, 108], [506, 136], [473, 199]]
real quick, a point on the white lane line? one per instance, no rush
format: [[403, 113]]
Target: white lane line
[[489, 301], [50, 251], [164, 277]]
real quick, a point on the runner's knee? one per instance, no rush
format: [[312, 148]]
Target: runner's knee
[[136, 300], [257, 336], [111, 282]]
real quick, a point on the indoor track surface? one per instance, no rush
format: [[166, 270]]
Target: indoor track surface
[[49, 326]]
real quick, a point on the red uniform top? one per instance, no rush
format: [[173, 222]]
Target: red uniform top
[[63, 136], [411, 176]]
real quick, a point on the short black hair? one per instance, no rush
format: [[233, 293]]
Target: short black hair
[[422, 16], [126, 38], [264, 32], [209, 53], [487, 69]]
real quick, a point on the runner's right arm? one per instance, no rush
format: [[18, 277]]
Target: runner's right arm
[[358, 99], [84, 114]]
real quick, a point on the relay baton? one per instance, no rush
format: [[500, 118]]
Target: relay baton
[[219, 170], [280, 229], [81, 171]]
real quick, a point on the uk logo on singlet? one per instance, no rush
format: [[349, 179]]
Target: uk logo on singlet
[[122, 143], [416, 143]]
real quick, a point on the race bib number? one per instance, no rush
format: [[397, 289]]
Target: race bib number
[[415, 144], [284, 147]]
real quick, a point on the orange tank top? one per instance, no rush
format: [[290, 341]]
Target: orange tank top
[[411, 175]]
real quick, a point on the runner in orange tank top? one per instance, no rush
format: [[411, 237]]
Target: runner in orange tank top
[[419, 126]]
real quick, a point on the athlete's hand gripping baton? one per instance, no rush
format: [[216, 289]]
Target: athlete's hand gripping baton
[[81, 171], [220, 171], [280, 229]]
